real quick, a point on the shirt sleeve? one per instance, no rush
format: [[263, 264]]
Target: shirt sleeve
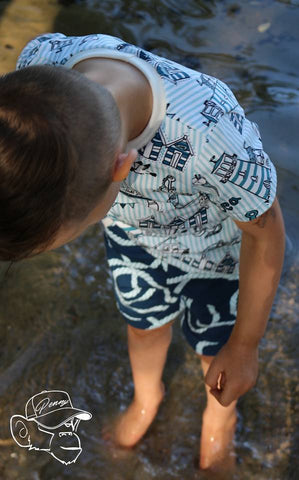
[[56, 48], [36, 51], [233, 162]]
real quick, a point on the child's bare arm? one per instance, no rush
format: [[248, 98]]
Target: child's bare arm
[[261, 260]]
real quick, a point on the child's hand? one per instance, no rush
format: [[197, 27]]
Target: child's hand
[[232, 372]]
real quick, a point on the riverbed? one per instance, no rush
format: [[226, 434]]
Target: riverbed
[[60, 329]]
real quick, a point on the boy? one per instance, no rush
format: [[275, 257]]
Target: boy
[[97, 129]]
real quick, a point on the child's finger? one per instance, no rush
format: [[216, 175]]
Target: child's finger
[[217, 391], [225, 395], [221, 381]]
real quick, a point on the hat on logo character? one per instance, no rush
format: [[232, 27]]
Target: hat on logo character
[[52, 408]]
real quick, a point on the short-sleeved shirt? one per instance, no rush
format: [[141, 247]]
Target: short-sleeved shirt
[[200, 166]]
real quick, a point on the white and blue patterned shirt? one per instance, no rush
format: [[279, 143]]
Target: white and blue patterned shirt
[[200, 162]]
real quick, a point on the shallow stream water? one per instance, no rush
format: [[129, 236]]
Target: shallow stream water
[[59, 325]]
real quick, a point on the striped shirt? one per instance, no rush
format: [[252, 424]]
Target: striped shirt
[[200, 164]]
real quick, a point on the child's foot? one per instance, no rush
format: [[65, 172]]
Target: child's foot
[[217, 442], [136, 420]]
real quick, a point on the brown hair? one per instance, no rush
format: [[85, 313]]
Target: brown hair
[[58, 135]]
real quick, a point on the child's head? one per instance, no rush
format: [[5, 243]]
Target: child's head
[[59, 135]]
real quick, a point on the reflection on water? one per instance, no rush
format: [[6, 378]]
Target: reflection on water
[[59, 325]]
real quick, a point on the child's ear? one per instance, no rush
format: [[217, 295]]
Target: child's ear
[[123, 164]]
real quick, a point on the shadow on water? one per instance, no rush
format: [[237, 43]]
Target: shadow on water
[[75, 19], [60, 328], [3, 5]]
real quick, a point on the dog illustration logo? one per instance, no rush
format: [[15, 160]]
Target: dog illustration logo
[[49, 424]]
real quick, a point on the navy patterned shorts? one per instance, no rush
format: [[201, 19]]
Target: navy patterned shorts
[[150, 293]]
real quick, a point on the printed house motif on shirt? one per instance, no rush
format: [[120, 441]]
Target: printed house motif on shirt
[[165, 69], [203, 263], [177, 225], [237, 120], [212, 112], [59, 45], [175, 154], [227, 264], [257, 155], [208, 81], [247, 174]]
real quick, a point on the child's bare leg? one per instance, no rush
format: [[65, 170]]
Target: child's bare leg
[[147, 351], [218, 429]]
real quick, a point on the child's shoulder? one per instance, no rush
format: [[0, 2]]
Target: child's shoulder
[[57, 48]]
